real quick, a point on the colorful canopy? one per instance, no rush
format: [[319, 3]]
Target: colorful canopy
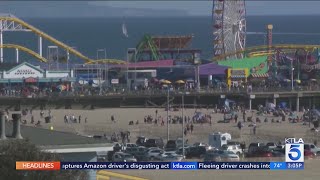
[[212, 69], [61, 87], [165, 81], [180, 82]]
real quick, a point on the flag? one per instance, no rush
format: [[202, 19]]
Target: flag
[[124, 30]]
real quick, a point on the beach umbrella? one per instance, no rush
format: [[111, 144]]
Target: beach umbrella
[[61, 87], [180, 82], [298, 81], [165, 81]]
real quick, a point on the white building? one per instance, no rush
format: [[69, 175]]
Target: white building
[[28, 73]]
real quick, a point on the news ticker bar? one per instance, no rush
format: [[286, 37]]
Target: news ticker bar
[[33, 165]]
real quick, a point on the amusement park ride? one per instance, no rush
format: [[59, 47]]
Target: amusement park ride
[[229, 31], [9, 22], [229, 43]]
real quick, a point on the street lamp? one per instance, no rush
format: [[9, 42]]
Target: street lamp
[[183, 138], [129, 51], [68, 56], [168, 108], [197, 63], [105, 57], [292, 69]]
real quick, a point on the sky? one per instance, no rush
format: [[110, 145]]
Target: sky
[[254, 7]]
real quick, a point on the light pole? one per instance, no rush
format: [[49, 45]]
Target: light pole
[[168, 108], [183, 141], [129, 51], [292, 69], [105, 57]]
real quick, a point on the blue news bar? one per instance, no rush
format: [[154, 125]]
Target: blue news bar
[[166, 165], [286, 165]]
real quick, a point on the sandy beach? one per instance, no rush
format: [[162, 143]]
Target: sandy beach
[[99, 123]]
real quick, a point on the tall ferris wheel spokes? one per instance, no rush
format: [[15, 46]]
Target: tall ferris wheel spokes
[[229, 27]]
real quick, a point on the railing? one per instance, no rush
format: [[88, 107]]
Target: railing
[[163, 92]]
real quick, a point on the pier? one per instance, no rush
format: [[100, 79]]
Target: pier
[[295, 99]]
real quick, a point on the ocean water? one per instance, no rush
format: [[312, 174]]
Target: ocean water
[[89, 34]]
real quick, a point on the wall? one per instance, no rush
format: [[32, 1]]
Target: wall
[[23, 71]]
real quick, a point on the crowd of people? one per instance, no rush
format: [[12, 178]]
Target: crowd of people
[[256, 86]]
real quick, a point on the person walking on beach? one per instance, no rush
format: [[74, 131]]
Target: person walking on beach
[[243, 146], [80, 119], [239, 125], [73, 118], [112, 119], [66, 117], [185, 131], [32, 119], [41, 114], [244, 115], [236, 118], [191, 128], [254, 129]]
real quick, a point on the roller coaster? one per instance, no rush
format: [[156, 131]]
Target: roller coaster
[[29, 51], [268, 50], [15, 24]]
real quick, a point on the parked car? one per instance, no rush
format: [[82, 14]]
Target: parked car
[[207, 146], [102, 156], [227, 155], [186, 149], [313, 148], [211, 157], [233, 143], [172, 158], [179, 142], [138, 152], [153, 153], [117, 147], [154, 143], [254, 146], [260, 152], [309, 154], [141, 140], [234, 148], [128, 145], [271, 145], [123, 157], [171, 145], [195, 151], [169, 156]]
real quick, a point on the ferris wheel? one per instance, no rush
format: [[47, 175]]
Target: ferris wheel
[[229, 28]]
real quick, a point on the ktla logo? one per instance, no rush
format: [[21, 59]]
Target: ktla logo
[[294, 150]]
